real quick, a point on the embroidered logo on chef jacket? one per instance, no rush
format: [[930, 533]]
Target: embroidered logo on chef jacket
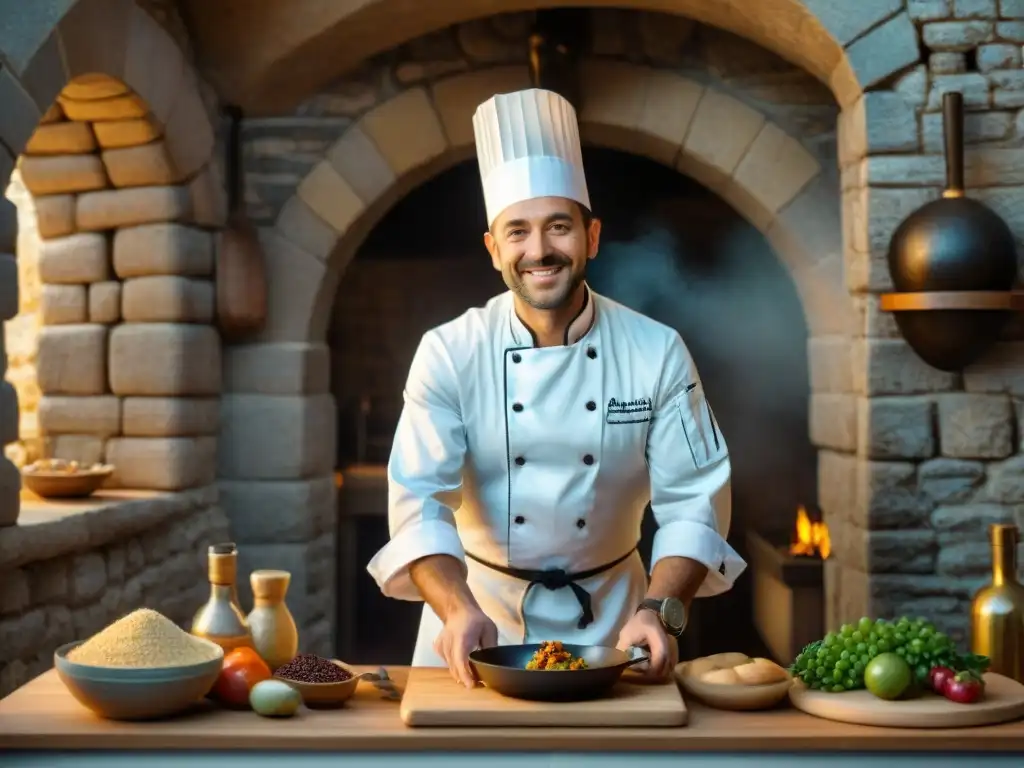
[[634, 411], [706, 443]]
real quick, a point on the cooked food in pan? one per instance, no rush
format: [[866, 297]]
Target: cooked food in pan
[[551, 655]]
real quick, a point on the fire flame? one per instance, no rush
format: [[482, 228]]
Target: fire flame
[[812, 538]]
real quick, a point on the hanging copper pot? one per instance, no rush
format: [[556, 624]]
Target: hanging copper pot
[[241, 268], [963, 254]]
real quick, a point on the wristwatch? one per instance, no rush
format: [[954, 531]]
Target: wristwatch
[[671, 612]]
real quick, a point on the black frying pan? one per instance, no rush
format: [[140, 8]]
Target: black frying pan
[[503, 669]]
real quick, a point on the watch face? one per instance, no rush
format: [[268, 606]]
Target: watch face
[[674, 613]]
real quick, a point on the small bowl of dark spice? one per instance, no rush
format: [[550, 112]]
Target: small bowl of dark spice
[[321, 682]]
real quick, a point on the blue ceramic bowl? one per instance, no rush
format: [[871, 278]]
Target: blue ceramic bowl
[[118, 693]]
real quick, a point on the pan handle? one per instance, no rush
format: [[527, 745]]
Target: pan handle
[[638, 655]]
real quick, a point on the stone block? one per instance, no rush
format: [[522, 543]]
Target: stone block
[[55, 215], [304, 437], [75, 259], [10, 493], [1011, 31], [188, 361], [287, 368], [947, 63], [949, 481], [975, 9], [386, 125], [979, 127], [829, 364], [143, 166], [998, 56], [163, 249], [94, 87], [873, 322], [968, 522], [1005, 482], [884, 51], [282, 511], [63, 304], [117, 134], [113, 208], [8, 413], [975, 426], [170, 416], [722, 130], [998, 371], [965, 559], [775, 168], [1011, 9], [125, 107], [299, 224], [62, 174], [8, 287], [72, 360], [105, 302], [61, 139], [330, 197], [874, 552], [891, 122], [890, 367], [294, 282], [167, 299], [957, 35], [98, 416], [973, 85], [357, 160], [85, 449], [889, 496], [896, 427], [162, 463], [833, 421]]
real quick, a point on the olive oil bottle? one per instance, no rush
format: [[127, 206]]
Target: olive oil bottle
[[997, 612]]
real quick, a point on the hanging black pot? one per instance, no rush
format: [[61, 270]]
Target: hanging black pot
[[961, 252]]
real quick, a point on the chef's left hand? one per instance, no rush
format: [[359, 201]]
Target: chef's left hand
[[645, 629]]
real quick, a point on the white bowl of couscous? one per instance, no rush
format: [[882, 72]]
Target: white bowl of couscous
[[141, 667]]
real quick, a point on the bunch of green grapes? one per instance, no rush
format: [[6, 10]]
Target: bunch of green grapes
[[836, 662]]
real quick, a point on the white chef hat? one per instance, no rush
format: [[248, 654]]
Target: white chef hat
[[528, 145]]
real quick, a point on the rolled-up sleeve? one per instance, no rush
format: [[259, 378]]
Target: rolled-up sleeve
[[424, 472], [690, 475]]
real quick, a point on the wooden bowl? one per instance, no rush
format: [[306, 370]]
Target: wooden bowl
[[58, 484], [120, 693], [327, 694], [739, 698]]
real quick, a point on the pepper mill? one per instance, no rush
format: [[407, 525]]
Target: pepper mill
[[274, 634], [221, 620]]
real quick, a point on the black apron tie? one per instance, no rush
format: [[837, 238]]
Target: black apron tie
[[557, 578]]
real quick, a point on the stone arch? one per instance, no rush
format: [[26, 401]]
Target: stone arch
[[762, 171], [850, 46], [110, 62]]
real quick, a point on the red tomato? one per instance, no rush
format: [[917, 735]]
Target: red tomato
[[939, 678], [965, 688], [242, 669]]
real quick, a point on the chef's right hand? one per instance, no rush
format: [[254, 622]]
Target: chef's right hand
[[465, 629]]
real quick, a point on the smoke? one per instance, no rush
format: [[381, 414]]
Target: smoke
[[716, 280]]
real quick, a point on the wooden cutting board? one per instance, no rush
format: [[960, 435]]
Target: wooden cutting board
[[432, 698], [1003, 702]]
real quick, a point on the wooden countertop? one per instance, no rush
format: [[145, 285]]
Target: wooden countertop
[[42, 715]]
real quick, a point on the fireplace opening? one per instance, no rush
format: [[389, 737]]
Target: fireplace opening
[[671, 249]]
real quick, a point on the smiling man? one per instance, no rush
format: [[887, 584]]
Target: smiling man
[[537, 428]]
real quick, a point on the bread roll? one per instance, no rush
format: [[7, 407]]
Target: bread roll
[[760, 672], [721, 677], [726, 660], [698, 667]]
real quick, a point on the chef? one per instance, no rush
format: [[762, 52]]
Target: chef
[[536, 429]]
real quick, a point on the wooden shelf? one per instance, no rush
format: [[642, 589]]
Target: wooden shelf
[[1012, 301]]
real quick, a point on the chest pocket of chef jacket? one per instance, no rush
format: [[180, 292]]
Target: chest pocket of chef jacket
[[706, 443]]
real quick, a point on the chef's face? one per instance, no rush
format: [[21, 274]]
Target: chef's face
[[541, 247]]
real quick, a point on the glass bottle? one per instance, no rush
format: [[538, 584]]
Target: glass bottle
[[997, 612], [274, 634], [221, 619]]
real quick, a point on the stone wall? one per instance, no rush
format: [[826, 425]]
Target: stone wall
[[916, 463], [64, 580], [121, 276]]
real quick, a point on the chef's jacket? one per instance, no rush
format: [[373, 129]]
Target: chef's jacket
[[545, 458]]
